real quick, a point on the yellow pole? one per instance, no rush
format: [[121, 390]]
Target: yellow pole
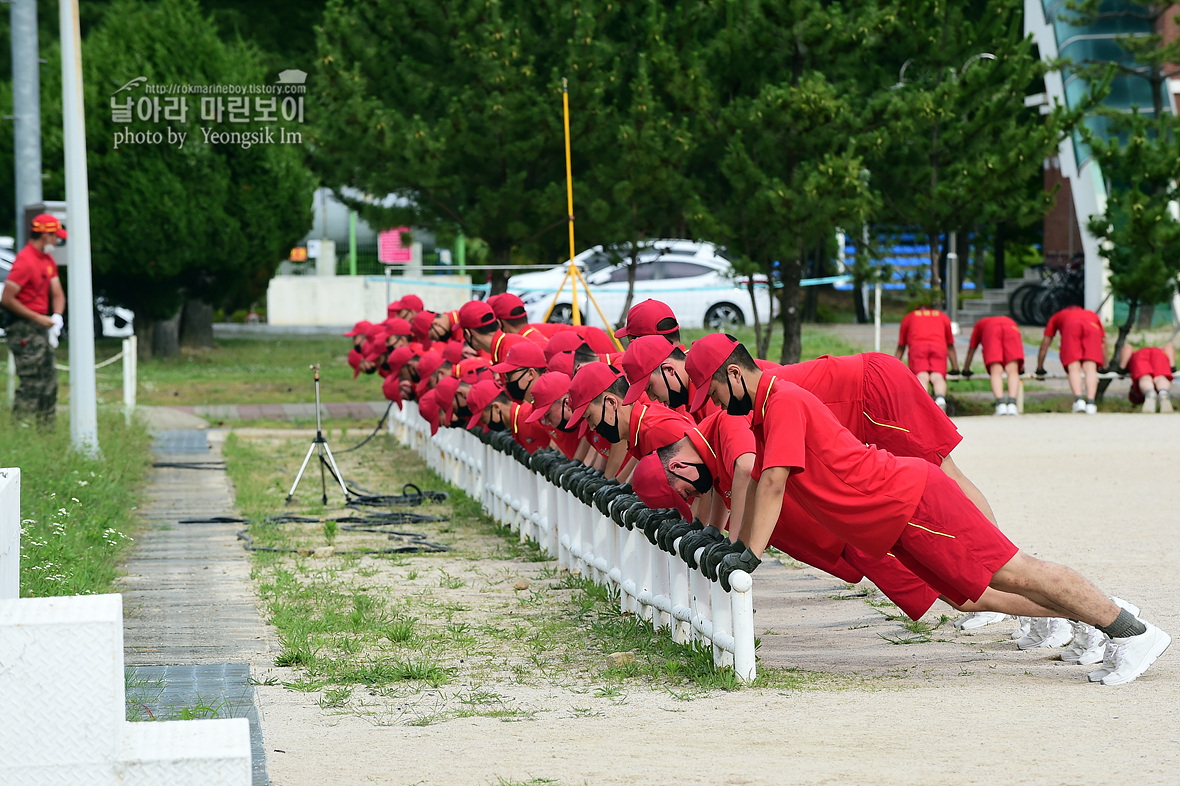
[[569, 192]]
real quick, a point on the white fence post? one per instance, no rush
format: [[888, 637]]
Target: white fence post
[[9, 533], [130, 372]]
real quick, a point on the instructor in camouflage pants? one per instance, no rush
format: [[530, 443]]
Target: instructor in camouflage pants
[[35, 301]]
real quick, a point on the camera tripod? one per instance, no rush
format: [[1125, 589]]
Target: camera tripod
[[320, 445]]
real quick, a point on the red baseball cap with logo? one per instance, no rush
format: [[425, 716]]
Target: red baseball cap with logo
[[407, 303], [650, 483], [361, 328], [398, 358], [396, 326], [525, 354], [643, 318], [590, 381], [478, 399], [392, 388], [548, 388], [444, 393], [428, 408], [507, 306], [643, 356], [472, 370], [564, 341], [420, 326], [46, 223], [706, 356], [562, 363], [453, 352], [476, 314]]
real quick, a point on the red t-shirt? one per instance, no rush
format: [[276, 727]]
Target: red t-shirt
[[533, 334], [720, 439], [533, 436], [32, 271], [836, 381], [925, 326], [597, 339], [566, 443], [1070, 314], [653, 426], [598, 442], [862, 495]]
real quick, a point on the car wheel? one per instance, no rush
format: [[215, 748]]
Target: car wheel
[[562, 314], [721, 316]]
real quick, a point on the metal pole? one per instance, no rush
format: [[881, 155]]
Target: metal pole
[[952, 278], [461, 252], [877, 317], [26, 111], [569, 192], [83, 392], [352, 242]]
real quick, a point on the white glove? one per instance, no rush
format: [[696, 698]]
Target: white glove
[[55, 330]]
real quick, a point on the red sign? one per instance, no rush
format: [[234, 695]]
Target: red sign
[[298, 254], [390, 249]]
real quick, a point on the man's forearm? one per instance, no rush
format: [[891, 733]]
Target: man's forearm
[[768, 504], [1044, 350], [20, 309]]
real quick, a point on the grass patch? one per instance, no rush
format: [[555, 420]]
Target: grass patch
[[77, 513]]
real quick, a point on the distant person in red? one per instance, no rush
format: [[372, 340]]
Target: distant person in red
[[651, 318], [1003, 353], [926, 333], [1083, 351], [1150, 369]]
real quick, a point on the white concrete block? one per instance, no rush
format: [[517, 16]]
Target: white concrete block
[[61, 681], [186, 753], [60, 775], [9, 533]]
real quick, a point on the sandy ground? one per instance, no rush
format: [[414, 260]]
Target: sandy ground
[[1098, 493]]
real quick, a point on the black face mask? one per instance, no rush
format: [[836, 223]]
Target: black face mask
[[704, 482], [676, 398], [739, 406], [495, 425], [463, 413], [609, 431], [512, 386], [414, 376]]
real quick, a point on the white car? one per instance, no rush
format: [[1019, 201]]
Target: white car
[[109, 321], [694, 279]]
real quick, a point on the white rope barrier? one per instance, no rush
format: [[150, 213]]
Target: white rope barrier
[[652, 584]]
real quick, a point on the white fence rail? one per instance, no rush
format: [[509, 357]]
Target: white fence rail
[[130, 360], [658, 586], [9, 533]]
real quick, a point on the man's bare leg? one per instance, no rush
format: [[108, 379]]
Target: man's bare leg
[[996, 371], [1090, 369], [1074, 371], [1057, 587], [1005, 603], [1013, 371]]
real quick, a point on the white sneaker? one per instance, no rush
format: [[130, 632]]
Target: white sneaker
[[1149, 400], [1132, 655], [1001, 408], [1046, 632], [1079, 405], [977, 619], [1023, 624], [1123, 604], [941, 402], [1012, 408], [1088, 645], [1091, 409], [1165, 404], [1108, 656]]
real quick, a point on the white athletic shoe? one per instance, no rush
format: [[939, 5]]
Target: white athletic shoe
[[1091, 409], [1165, 404], [1046, 632], [1133, 654], [1087, 647], [1079, 405], [1023, 624], [977, 619], [1108, 655], [1123, 604], [941, 402], [1012, 408], [1149, 400], [1001, 408]]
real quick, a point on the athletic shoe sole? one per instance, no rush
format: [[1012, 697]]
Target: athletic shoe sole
[[1158, 648]]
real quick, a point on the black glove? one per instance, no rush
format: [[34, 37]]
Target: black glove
[[745, 561], [1040, 374], [966, 373], [669, 533], [713, 555], [651, 525], [694, 540]]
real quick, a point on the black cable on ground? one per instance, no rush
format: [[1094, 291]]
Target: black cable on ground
[[217, 465], [365, 441], [417, 544], [362, 497]]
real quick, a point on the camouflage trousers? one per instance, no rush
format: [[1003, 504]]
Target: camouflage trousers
[[36, 395]]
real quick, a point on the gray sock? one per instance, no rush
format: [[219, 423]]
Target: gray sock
[[1089, 401], [1124, 626]]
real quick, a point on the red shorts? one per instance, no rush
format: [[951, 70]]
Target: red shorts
[[1147, 362], [899, 583], [1003, 345], [1081, 340], [928, 357], [899, 416], [950, 545]]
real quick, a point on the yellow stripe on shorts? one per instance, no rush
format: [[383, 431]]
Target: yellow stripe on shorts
[[932, 532]]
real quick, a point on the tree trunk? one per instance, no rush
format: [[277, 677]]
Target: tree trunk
[[630, 282], [1124, 331], [145, 329], [998, 273], [859, 296], [196, 324], [166, 337], [499, 278], [811, 294], [789, 297], [758, 353]]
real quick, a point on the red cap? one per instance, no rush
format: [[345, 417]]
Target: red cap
[[409, 303], [562, 363], [472, 370], [396, 326], [476, 314], [420, 327], [526, 354], [444, 393], [429, 363], [650, 483], [590, 381], [478, 399], [374, 348], [360, 328], [398, 358], [706, 356], [643, 318], [428, 408], [392, 388], [453, 352], [507, 306], [46, 223], [564, 341], [547, 389], [354, 360], [643, 356]]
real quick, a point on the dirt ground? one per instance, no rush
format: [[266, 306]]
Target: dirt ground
[[1098, 493]]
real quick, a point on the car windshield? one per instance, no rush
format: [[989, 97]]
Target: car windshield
[[598, 262]]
